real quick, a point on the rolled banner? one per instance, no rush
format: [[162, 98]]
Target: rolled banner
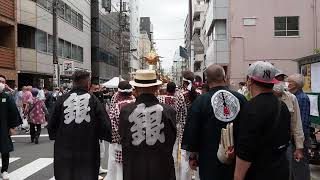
[[227, 137], [226, 144], [231, 135], [221, 138]]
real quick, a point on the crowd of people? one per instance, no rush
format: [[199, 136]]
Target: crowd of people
[[197, 131]]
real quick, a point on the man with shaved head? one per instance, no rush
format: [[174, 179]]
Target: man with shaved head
[[209, 114]]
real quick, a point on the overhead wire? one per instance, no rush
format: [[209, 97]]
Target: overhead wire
[[88, 25]]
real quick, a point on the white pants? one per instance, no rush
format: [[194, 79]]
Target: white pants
[[115, 171], [102, 148], [181, 162]]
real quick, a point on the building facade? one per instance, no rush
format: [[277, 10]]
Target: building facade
[[8, 41], [35, 40], [187, 37], [235, 34], [144, 48], [197, 48], [131, 14], [146, 26], [134, 14], [276, 31], [105, 42]]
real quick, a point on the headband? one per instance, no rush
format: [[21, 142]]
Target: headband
[[125, 90], [190, 83]]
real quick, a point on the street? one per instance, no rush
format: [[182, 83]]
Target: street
[[315, 172], [34, 161]]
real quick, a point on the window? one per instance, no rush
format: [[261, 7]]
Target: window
[[286, 26], [61, 11], [50, 43], [197, 66], [249, 21], [26, 36], [60, 48], [74, 18], [80, 22], [64, 12], [80, 52], [67, 50], [220, 30], [68, 13], [41, 41], [49, 5], [43, 3], [74, 51]]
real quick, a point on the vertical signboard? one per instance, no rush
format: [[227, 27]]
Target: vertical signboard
[[306, 72], [55, 75]]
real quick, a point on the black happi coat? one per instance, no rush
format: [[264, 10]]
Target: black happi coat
[[143, 161], [76, 148], [202, 135], [9, 118]]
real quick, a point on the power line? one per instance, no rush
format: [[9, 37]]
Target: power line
[[85, 25]]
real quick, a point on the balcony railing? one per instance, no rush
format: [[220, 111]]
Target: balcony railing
[[7, 8], [7, 58]]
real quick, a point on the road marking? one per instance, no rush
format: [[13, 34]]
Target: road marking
[[27, 136], [31, 168], [10, 160]]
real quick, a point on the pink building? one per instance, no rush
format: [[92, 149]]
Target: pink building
[[236, 33], [277, 31]]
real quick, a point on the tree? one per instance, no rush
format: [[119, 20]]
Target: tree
[[316, 51]]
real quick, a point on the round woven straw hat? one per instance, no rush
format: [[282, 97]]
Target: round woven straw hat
[[145, 78]]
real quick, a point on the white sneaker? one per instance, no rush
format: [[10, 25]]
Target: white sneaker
[[102, 171], [100, 178], [5, 176]]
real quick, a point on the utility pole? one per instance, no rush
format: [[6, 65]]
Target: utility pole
[[120, 40], [55, 41]]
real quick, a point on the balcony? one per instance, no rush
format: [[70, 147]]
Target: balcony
[[196, 26], [7, 58], [7, 8], [198, 9], [199, 58]]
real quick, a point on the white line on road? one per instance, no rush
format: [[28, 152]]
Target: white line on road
[[31, 168], [26, 136], [10, 160]]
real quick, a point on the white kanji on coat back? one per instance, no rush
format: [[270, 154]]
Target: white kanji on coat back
[[77, 108], [147, 125]]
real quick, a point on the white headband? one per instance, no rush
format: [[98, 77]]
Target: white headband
[[125, 90], [190, 83]]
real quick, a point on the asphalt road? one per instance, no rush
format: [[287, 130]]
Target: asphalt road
[[32, 161], [315, 172]]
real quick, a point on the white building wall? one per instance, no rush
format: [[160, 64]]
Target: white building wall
[[144, 48], [215, 33], [31, 14], [134, 33]]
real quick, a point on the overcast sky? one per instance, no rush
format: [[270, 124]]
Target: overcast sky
[[168, 18]]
